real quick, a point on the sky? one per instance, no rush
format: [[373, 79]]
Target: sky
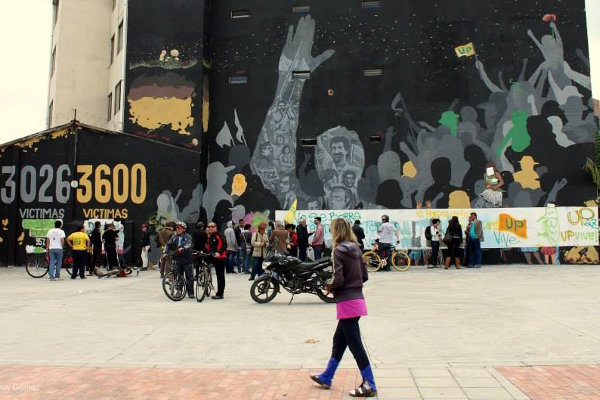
[[24, 74]]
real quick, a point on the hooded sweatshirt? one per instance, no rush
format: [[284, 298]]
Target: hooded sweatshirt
[[349, 272]]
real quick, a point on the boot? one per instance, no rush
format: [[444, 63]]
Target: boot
[[447, 264], [324, 378], [367, 388], [457, 262]]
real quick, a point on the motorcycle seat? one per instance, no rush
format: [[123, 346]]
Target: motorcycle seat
[[306, 266]]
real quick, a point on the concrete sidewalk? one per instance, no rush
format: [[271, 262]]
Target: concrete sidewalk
[[430, 334]]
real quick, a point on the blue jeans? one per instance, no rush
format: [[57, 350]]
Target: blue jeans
[[231, 256], [257, 268], [318, 250], [474, 252], [56, 256], [241, 259]]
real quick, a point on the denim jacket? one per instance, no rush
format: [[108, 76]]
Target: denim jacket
[[186, 244]]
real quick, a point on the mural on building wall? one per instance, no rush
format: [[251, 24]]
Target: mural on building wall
[[164, 87], [533, 122]]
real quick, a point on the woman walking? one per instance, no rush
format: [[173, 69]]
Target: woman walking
[[454, 230], [349, 274], [259, 241]]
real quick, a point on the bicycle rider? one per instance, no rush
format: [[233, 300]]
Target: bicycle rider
[[181, 243], [387, 232]]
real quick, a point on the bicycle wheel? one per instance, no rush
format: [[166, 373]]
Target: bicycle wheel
[[372, 260], [174, 286], [37, 266], [209, 284], [201, 283], [264, 289], [67, 263], [400, 260]]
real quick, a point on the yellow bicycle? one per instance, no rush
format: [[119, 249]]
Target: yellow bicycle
[[374, 260]]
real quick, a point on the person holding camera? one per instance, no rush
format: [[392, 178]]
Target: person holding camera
[[181, 243]]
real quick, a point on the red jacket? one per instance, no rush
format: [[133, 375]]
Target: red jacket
[[216, 244]]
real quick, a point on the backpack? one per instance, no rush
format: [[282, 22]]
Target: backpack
[[428, 233]]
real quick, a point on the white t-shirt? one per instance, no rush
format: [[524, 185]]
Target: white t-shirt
[[55, 235], [435, 234], [386, 233]]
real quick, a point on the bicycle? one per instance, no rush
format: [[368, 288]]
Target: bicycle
[[173, 283], [374, 261], [204, 284], [37, 264]]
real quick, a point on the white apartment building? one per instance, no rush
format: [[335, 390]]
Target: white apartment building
[[87, 66]]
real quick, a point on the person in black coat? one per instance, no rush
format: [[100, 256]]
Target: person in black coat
[[303, 235], [360, 233], [96, 242]]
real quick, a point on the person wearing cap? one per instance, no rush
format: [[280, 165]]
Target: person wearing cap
[[145, 242], [181, 243]]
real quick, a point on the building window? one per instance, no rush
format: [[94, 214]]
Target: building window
[[300, 8], [109, 116], [50, 110], [120, 38], [236, 14], [117, 97], [53, 62], [112, 49]]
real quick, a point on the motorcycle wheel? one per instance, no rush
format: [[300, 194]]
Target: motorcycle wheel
[[264, 289], [327, 298]]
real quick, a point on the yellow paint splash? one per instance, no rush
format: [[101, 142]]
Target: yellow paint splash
[[409, 169], [459, 199], [152, 113], [239, 184]]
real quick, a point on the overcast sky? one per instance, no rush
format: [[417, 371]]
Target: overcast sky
[[26, 29]]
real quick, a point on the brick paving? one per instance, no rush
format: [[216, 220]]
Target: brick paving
[[568, 382], [24, 382]]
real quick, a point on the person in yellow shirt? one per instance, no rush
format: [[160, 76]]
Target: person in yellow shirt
[[79, 242]]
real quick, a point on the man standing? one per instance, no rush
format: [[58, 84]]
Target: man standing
[[318, 239], [145, 243], [200, 237], [435, 237], [302, 239], [110, 237], [181, 243], [215, 245], [387, 232], [247, 234], [164, 235], [241, 242], [79, 242], [55, 240], [359, 233], [232, 247], [96, 240], [279, 237], [474, 233]]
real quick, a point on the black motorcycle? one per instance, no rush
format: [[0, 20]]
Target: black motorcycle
[[294, 275]]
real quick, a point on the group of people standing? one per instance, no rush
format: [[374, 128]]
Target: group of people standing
[[86, 250], [453, 238]]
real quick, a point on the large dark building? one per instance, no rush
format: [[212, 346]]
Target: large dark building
[[360, 104]]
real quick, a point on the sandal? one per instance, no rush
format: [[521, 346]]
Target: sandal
[[316, 378], [363, 391]]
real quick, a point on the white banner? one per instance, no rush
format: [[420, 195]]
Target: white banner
[[502, 227]]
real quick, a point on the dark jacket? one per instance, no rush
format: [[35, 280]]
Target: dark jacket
[[96, 239], [455, 231], [200, 240], [216, 244], [145, 239], [360, 235], [185, 256], [302, 235], [349, 272]]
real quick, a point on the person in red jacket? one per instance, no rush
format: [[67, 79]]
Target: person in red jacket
[[215, 245]]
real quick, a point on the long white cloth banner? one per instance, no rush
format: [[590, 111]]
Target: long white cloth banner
[[502, 227]]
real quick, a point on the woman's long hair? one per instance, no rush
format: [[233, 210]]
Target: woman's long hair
[[341, 231]]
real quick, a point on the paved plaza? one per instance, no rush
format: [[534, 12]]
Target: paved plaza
[[500, 332]]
